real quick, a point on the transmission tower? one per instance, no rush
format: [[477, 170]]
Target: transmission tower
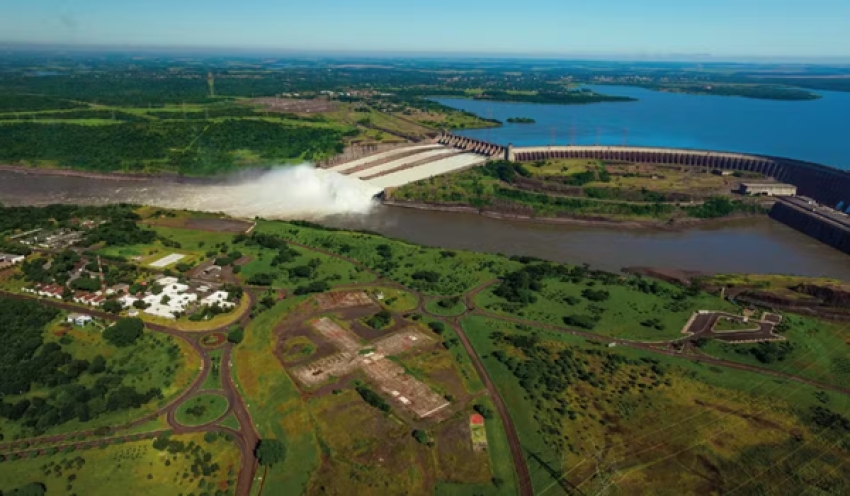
[[211, 84]]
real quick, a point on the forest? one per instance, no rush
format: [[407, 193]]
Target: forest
[[186, 147], [29, 363]]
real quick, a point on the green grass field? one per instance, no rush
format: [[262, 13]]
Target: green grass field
[[625, 313], [137, 465], [819, 351], [446, 306], [455, 272], [731, 428], [201, 409], [213, 381]]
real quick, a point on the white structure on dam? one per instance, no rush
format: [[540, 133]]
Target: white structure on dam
[[408, 164]]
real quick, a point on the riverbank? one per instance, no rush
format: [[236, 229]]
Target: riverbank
[[671, 226], [111, 176]]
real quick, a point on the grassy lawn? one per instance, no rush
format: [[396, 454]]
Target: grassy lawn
[[725, 324], [331, 269], [446, 306], [725, 424], [213, 380], [275, 404], [114, 468], [627, 312], [232, 422], [201, 409], [454, 272], [818, 350], [395, 300]]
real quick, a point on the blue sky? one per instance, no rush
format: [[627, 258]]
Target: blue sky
[[642, 28]]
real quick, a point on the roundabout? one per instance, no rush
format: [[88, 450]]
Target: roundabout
[[202, 409]]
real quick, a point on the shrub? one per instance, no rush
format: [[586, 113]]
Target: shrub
[[582, 321]]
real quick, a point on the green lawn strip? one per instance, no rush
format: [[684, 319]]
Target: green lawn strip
[[201, 409], [213, 380], [232, 422], [724, 324], [455, 308], [275, 405], [157, 424], [817, 350]]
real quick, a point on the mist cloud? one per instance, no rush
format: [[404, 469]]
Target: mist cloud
[[292, 192]]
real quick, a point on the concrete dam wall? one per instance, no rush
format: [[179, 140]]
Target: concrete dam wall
[[824, 184], [825, 226]]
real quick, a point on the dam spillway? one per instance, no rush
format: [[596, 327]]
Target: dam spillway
[[824, 224]]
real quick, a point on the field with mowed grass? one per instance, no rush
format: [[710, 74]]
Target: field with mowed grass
[[275, 404], [201, 409], [429, 270], [656, 424], [600, 302], [181, 464], [814, 349]]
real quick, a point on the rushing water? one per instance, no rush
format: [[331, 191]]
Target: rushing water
[[762, 246], [812, 130]]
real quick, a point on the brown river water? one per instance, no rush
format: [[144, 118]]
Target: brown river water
[[751, 246]]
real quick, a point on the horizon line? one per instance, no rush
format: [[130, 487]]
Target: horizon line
[[368, 53]]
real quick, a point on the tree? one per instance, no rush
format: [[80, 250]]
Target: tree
[[112, 306], [269, 452], [422, 437], [32, 489], [125, 332], [484, 410], [236, 335]]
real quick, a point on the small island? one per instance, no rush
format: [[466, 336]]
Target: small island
[[521, 120]]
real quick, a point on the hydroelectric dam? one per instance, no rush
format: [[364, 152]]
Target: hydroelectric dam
[[827, 187]]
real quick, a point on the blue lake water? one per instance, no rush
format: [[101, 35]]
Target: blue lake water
[[813, 130]]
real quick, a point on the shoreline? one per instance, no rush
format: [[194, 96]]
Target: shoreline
[[605, 223], [112, 176]]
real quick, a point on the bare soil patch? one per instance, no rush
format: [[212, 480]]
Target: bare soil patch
[[296, 106], [343, 299]]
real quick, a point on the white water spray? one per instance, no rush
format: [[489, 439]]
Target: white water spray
[[292, 192]]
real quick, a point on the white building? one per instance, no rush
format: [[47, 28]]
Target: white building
[[8, 259], [173, 300], [218, 298], [79, 319]]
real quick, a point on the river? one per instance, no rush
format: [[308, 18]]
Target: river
[[761, 246], [811, 130]]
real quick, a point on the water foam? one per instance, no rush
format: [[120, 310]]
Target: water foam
[[290, 192]]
